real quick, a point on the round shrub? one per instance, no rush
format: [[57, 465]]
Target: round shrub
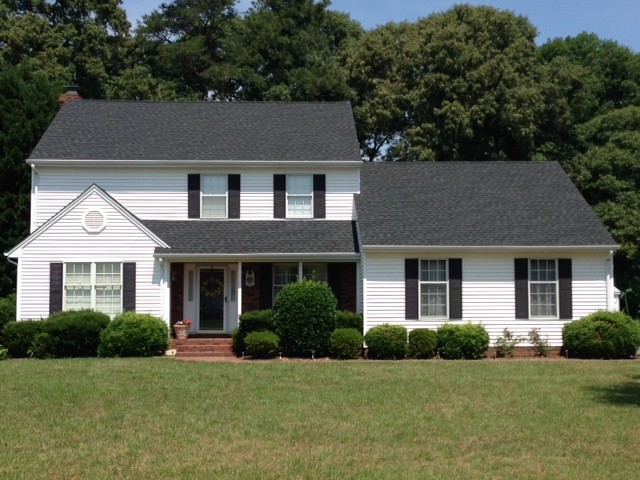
[[17, 337], [252, 321], [262, 344], [387, 342], [43, 346], [346, 343], [77, 332], [133, 334], [466, 341], [422, 343], [304, 316], [346, 319], [602, 335]]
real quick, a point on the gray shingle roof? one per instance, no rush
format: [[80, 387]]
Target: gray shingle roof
[[474, 204], [173, 131], [233, 237]]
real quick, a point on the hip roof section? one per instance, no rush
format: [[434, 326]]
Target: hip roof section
[[474, 204], [168, 132]]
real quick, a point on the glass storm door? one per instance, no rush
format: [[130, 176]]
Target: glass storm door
[[212, 299]]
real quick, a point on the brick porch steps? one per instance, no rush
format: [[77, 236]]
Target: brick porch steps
[[204, 347]]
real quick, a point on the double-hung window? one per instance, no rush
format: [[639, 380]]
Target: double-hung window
[[93, 285], [283, 274], [214, 196], [434, 285], [543, 288], [299, 196]]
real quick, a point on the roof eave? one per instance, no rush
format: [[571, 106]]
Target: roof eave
[[56, 162], [487, 248], [236, 257]]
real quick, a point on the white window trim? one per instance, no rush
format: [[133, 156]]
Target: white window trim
[[298, 195], [557, 292], [93, 277], [214, 195], [420, 283], [300, 266]]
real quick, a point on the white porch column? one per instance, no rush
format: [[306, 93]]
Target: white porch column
[[240, 283]]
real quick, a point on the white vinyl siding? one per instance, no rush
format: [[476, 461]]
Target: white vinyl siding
[[214, 196], [68, 242], [161, 193], [488, 291]]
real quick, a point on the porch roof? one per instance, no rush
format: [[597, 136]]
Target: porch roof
[[237, 237]]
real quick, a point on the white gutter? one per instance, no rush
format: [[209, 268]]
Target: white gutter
[[255, 256], [194, 163], [404, 248]]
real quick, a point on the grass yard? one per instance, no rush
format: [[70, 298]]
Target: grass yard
[[163, 418]]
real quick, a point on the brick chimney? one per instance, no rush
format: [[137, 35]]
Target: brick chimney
[[70, 93]]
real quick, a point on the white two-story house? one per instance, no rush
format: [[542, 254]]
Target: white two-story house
[[202, 211]]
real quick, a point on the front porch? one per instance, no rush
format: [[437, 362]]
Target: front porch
[[213, 294]]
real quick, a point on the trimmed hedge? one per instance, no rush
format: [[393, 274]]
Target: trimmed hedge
[[346, 343], [252, 321], [304, 316], [43, 346], [7, 310], [17, 337], [602, 335], [468, 341], [76, 332], [422, 343], [346, 319], [262, 344], [133, 334], [387, 342]]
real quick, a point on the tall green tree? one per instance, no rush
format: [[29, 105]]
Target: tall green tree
[[28, 102], [79, 41]]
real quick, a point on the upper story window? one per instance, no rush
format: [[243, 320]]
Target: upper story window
[[543, 288], [93, 285], [299, 196], [214, 190], [434, 284]]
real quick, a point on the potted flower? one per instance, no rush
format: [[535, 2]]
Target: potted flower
[[182, 327]]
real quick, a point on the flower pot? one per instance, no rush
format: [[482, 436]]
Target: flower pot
[[182, 331]]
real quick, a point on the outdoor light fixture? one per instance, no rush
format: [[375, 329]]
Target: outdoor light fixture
[[250, 278]]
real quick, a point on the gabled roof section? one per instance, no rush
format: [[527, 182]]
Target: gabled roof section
[[264, 237], [474, 204], [14, 252], [167, 132]]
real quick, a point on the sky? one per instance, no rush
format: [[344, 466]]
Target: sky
[[617, 20]]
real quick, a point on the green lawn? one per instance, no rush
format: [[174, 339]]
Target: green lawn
[[162, 418]]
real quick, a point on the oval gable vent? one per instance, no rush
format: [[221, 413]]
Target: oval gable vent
[[94, 221]]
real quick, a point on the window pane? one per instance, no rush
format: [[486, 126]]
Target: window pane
[[543, 270], [214, 184], [214, 207], [77, 298], [433, 300], [109, 299], [108, 274], [299, 207], [543, 300], [315, 271], [283, 274], [299, 184], [433, 270], [78, 274]]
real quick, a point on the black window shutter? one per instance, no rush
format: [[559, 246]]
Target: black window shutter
[[55, 287], [193, 200], [279, 196], [455, 288], [266, 285], [411, 288], [234, 196], [319, 195], [129, 286], [522, 287], [566, 296]]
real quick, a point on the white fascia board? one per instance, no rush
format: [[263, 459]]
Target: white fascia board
[[194, 163], [16, 252], [266, 257], [488, 248]]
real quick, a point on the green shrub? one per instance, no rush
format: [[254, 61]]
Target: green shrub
[[133, 334], [76, 332], [346, 343], [7, 310], [252, 321], [422, 343], [387, 342], [506, 344], [304, 316], [4, 353], [602, 335], [43, 346], [540, 344], [346, 319], [262, 344], [17, 337], [237, 342], [466, 341]]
